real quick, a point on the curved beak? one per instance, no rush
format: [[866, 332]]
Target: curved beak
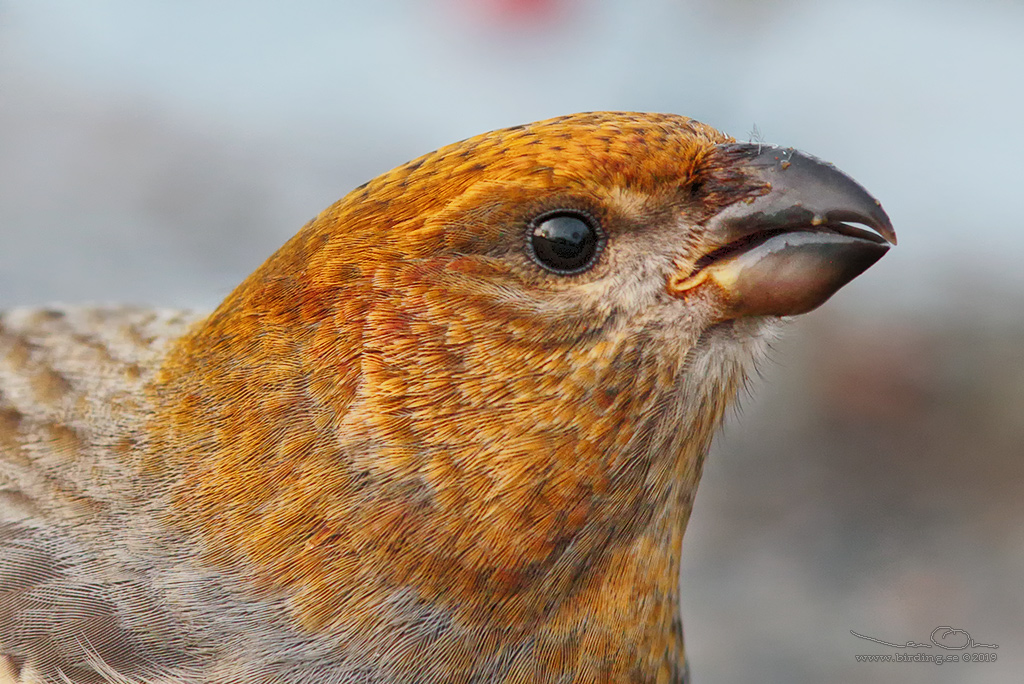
[[786, 251]]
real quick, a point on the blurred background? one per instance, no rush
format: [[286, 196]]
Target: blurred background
[[157, 152]]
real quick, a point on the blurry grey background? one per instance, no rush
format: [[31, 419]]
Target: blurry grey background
[[157, 152]]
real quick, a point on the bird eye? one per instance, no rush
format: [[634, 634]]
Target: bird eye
[[565, 242]]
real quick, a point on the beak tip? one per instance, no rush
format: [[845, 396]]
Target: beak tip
[[890, 233]]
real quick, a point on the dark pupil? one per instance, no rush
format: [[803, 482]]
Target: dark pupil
[[564, 243]]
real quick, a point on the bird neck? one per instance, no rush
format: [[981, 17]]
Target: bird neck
[[384, 463]]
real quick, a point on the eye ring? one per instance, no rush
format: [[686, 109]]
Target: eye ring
[[565, 241]]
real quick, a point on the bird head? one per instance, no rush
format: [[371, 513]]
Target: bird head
[[486, 380]]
